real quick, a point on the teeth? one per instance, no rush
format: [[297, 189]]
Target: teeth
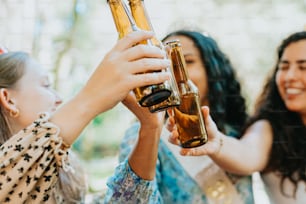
[[293, 91]]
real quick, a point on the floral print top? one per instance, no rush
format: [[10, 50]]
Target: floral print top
[[172, 183], [29, 163], [128, 188]]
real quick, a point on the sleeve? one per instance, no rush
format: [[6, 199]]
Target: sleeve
[[29, 162], [125, 186]]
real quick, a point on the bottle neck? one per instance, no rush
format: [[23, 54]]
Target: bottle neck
[[120, 17], [140, 14], [142, 19], [178, 64]]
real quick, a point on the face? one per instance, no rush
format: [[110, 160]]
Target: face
[[195, 65], [291, 77], [33, 94]]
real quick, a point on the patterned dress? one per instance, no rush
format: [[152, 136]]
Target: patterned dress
[[173, 183]]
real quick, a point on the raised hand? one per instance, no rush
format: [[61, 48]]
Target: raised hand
[[123, 69], [213, 144], [145, 117]]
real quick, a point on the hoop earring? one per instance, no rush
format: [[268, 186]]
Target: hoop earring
[[14, 113]]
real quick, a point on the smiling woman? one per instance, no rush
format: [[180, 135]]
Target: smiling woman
[[275, 137], [291, 77]]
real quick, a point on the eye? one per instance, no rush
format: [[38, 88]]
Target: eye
[[189, 61], [283, 67], [303, 66]]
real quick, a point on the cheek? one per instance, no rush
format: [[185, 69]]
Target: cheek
[[279, 78], [199, 80], [39, 101]]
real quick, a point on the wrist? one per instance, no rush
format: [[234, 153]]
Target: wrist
[[150, 131], [220, 145]]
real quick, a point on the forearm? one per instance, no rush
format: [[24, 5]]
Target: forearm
[[73, 116], [144, 156], [237, 156]]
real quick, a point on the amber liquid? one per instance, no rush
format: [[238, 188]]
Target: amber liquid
[[189, 121], [146, 95]]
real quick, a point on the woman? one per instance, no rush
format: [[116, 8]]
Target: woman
[[274, 140], [35, 166], [184, 180]]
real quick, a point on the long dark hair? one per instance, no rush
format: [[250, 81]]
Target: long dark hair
[[288, 155], [227, 106]]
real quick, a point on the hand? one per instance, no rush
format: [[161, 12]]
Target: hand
[[213, 144], [123, 69], [147, 119]]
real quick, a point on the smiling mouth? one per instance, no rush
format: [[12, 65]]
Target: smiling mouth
[[293, 91]]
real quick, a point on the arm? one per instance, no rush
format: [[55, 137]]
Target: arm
[[240, 156], [112, 80], [250, 153], [144, 155], [133, 180]]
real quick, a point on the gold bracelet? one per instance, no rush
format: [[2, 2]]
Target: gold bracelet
[[220, 145]]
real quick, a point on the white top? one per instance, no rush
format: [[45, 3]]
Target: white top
[[272, 185]]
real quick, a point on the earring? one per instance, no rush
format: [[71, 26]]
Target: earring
[[14, 113]]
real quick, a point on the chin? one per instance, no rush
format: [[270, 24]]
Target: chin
[[295, 108]]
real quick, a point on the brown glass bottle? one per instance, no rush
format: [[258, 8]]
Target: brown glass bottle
[[146, 95], [188, 116], [142, 20]]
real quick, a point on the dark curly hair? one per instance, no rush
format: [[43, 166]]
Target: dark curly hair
[[227, 106], [288, 155]]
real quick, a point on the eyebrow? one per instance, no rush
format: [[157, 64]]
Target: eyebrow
[[301, 61], [298, 61]]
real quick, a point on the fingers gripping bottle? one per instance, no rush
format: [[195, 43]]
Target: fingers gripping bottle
[[188, 116], [143, 22], [146, 95]]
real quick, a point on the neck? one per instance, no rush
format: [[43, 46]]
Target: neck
[[14, 126]]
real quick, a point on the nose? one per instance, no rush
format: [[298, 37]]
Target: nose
[[293, 73]]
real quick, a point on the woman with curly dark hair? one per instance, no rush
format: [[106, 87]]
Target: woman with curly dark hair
[[274, 141], [198, 179]]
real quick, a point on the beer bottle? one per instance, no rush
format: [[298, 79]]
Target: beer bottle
[[142, 20], [188, 116], [146, 95]]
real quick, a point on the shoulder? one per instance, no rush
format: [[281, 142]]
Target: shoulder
[[261, 126], [260, 135]]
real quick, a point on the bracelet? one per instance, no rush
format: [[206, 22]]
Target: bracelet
[[220, 145]]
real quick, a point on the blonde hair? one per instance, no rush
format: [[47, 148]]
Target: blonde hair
[[70, 187], [12, 68]]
